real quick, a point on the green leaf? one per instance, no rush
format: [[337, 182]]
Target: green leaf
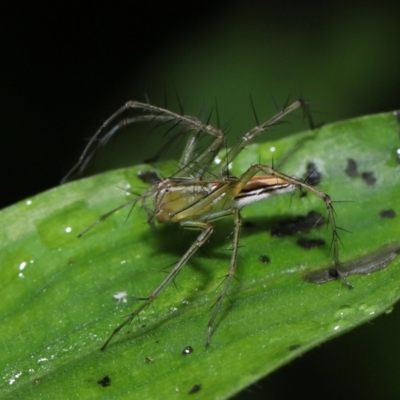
[[57, 291]]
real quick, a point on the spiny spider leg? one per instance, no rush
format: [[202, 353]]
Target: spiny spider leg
[[157, 114], [189, 164], [237, 220], [275, 183], [246, 139], [207, 230], [254, 169]]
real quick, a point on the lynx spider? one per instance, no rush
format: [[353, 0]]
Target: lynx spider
[[201, 192]]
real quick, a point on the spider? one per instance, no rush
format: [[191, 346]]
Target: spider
[[202, 190]]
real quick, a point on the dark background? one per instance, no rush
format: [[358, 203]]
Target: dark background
[[66, 66]]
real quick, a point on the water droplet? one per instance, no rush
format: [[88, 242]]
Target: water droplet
[[53, 228], [362, 307], [187, 350], [28, 202], [14, 378], [366, 309], [344, 312], [370, 310], [22, 265]]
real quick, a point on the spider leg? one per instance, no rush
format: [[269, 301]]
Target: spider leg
[[190, 166], [254, 169], [229, 275], [109, 213], [207, 230], [248, 137]]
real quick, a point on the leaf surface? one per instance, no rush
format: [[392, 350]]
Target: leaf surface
[[58, 304]]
